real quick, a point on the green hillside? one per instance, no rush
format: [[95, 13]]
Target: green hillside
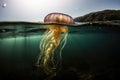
[[105, 15]]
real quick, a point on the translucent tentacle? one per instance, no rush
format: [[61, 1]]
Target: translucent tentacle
[[62, 45], [43, 42], [48, 45], [64, 41]]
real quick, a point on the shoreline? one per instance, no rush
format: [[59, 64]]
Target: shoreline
[[100, 23], [77, 24]]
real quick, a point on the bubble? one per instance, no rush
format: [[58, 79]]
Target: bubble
[[4, 5]]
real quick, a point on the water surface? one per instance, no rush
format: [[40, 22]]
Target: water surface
[[91, 52]]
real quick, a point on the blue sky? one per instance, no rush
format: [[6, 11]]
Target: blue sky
[[36, 10]]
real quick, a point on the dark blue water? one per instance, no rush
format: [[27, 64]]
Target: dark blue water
[[91, 53]]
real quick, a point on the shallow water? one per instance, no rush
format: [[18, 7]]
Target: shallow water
[[91, 53]]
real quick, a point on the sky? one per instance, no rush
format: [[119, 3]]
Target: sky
[[36, 10]]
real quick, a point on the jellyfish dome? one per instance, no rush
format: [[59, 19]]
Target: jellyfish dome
[[58, 18]]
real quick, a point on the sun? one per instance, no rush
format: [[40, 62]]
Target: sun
[[42, 4], [35, 10]]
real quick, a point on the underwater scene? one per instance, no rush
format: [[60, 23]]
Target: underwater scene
[[88, 52]]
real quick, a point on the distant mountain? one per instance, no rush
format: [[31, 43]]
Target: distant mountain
[[105, 15]]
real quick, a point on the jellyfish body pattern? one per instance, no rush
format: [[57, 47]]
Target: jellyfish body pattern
[[54, 38], [58, 18]]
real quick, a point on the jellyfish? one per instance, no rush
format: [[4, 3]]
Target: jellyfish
[[53, 42]]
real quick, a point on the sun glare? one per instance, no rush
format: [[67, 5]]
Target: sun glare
[[42, 4], [35, 8]]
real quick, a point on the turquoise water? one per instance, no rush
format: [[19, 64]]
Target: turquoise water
[[91, 53]]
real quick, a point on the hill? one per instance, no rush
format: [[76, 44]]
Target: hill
[[105, 15]]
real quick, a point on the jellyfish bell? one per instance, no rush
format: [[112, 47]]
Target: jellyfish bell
[[58, 18], [51, 40]]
